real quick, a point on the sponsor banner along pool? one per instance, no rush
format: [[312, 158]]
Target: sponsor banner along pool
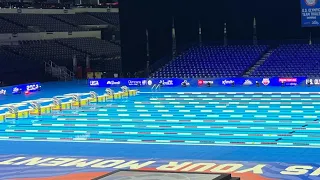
[[36, 167], [174, 82], [18, 89]]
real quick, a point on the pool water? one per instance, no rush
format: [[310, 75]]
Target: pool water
[[219, 118]]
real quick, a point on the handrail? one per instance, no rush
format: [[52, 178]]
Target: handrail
[[64, 73], [155, 87], [158, 86]]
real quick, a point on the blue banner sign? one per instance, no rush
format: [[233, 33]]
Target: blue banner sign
[[18, 89], [111, 82], [310, 13], [275, 81], [31, 87], [172, 82]]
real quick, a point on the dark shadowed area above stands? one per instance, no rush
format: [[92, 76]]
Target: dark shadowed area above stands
[[275, 20]]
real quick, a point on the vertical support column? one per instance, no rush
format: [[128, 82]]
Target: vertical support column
[[174, 41], [88, 62], [88, 65], [75, 64], [255, 38], [200, 34], [225, 42]]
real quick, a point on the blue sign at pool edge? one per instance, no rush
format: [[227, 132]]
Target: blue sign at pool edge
[[173, 82], [17, 89]]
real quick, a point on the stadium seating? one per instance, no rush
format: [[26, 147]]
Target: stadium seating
[[79, 19], [93, 46], [213, 61], [8, 27], [291, 60], [40, 22], [112, 18], [44, 50]]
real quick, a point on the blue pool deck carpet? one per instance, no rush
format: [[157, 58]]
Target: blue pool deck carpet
[[252, 132]]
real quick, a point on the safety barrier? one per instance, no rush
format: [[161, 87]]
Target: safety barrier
[[35, 108]]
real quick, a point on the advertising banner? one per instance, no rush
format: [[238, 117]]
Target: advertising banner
[[310, 13], [31, 87], [173, 82], [117, 82], [17, 89]]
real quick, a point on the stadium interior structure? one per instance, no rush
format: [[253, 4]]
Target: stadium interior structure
[[225, 48], [55, 38], [202, 49]]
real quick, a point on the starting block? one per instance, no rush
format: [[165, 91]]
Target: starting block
[[43, 110], [2, 117], [19, 114], [65, 105], [81, 102]]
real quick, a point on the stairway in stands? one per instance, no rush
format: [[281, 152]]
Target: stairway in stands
[[60, 72], [263, 58]]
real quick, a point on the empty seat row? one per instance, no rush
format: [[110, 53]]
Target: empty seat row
[[213, 61]]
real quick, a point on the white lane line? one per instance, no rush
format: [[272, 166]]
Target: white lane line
[[142, 110], [184, 110], [166, 115]]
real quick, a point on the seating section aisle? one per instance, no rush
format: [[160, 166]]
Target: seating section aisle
[[79, 19], [291, 60], [40, 22], [213, 61]]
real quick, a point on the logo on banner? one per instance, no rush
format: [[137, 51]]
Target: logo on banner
[[227, 82], [166, 82], [200, 82], [33, 87], [136, 83], [113, 82], [288, 80], [144, 82], [315, 22], [94, 83], [3, 92], [15, 90], [185, 82], [313, 81], [310, 2], [204, 82], [247, 82], [266, 81]]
